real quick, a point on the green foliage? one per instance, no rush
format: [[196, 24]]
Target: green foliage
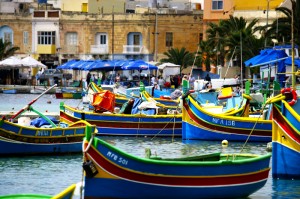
[[6, 49], [281, 28], [180, 57]]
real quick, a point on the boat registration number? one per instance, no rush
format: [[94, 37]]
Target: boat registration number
[[116, 158], [223, 122], [43, 133]]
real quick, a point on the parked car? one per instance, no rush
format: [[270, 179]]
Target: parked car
[[54, 74]]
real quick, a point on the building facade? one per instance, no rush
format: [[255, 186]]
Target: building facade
[[55, 36]]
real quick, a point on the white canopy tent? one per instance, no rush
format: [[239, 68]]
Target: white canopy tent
[[169, 69], [11, 63], [33, 63]]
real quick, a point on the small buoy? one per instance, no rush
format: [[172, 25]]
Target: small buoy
[[49, 102], [224, 143]]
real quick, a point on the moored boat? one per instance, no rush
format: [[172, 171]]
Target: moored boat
[[199, 123], [65, 194], [75, 95], [286, 135], [18, 139], [139, 124], [68, 94], [112, 173], [123, 98], [9, 91], [43, 136]]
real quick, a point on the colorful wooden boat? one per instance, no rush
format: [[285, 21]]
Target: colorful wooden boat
[[199, 123], [285, 137], [112, 173], [125, 124], [16, 139], [65, 93], [65, 194], [71, 95], [24, 139], [123, 98], [9, 91]]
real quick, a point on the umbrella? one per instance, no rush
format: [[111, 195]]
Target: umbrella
[[11, 63], [106, 65], [31, 62], [138, 65], [67, 65], [162, 66]]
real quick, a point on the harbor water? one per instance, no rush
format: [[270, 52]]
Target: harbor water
[[52, 174]]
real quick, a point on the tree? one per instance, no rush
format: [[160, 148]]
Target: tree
[[216, 39], [180, 57], [207, 53], [6, 49], [280, 29], [231, 37]]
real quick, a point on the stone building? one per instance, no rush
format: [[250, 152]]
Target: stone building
[[54, 36]]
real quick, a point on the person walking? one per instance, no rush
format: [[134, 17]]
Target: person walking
[[88, 78], [161, 82], [37, 76]]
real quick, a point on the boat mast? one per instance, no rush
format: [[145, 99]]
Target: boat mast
[[293, 48]]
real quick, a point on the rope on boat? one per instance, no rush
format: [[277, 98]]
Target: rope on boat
[[138, 130], [165, 127], [83, 158], [253, 127]]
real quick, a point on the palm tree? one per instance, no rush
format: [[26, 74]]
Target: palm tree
[[207, 54], [280, 29], [6, 49], [216, 38], [180, 57]]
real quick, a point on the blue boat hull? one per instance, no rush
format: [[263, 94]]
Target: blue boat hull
[[11, 147]]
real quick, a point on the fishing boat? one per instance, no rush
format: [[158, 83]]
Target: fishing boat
[[65, 194], [43, 136], [139, 124], [121, 98], [68, 94], [112, 173], [199, 123], [286, 135], [9, 91], [18, 139]]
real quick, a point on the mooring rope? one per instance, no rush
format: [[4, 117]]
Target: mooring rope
[[263, 108]]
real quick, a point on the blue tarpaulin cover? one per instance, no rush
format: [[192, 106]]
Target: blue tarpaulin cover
[[135, 109], [38, 122]]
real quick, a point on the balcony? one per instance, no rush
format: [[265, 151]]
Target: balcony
[[46, 49], [69, 49], [133, 49], [99, 49]]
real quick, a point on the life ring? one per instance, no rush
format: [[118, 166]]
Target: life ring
[[290, 92]]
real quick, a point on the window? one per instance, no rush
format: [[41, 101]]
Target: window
[[217, 4], [46, 38], [25, 37], [71, 38], [102, 39], [7, 37], [136, 39], [169, 39]]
